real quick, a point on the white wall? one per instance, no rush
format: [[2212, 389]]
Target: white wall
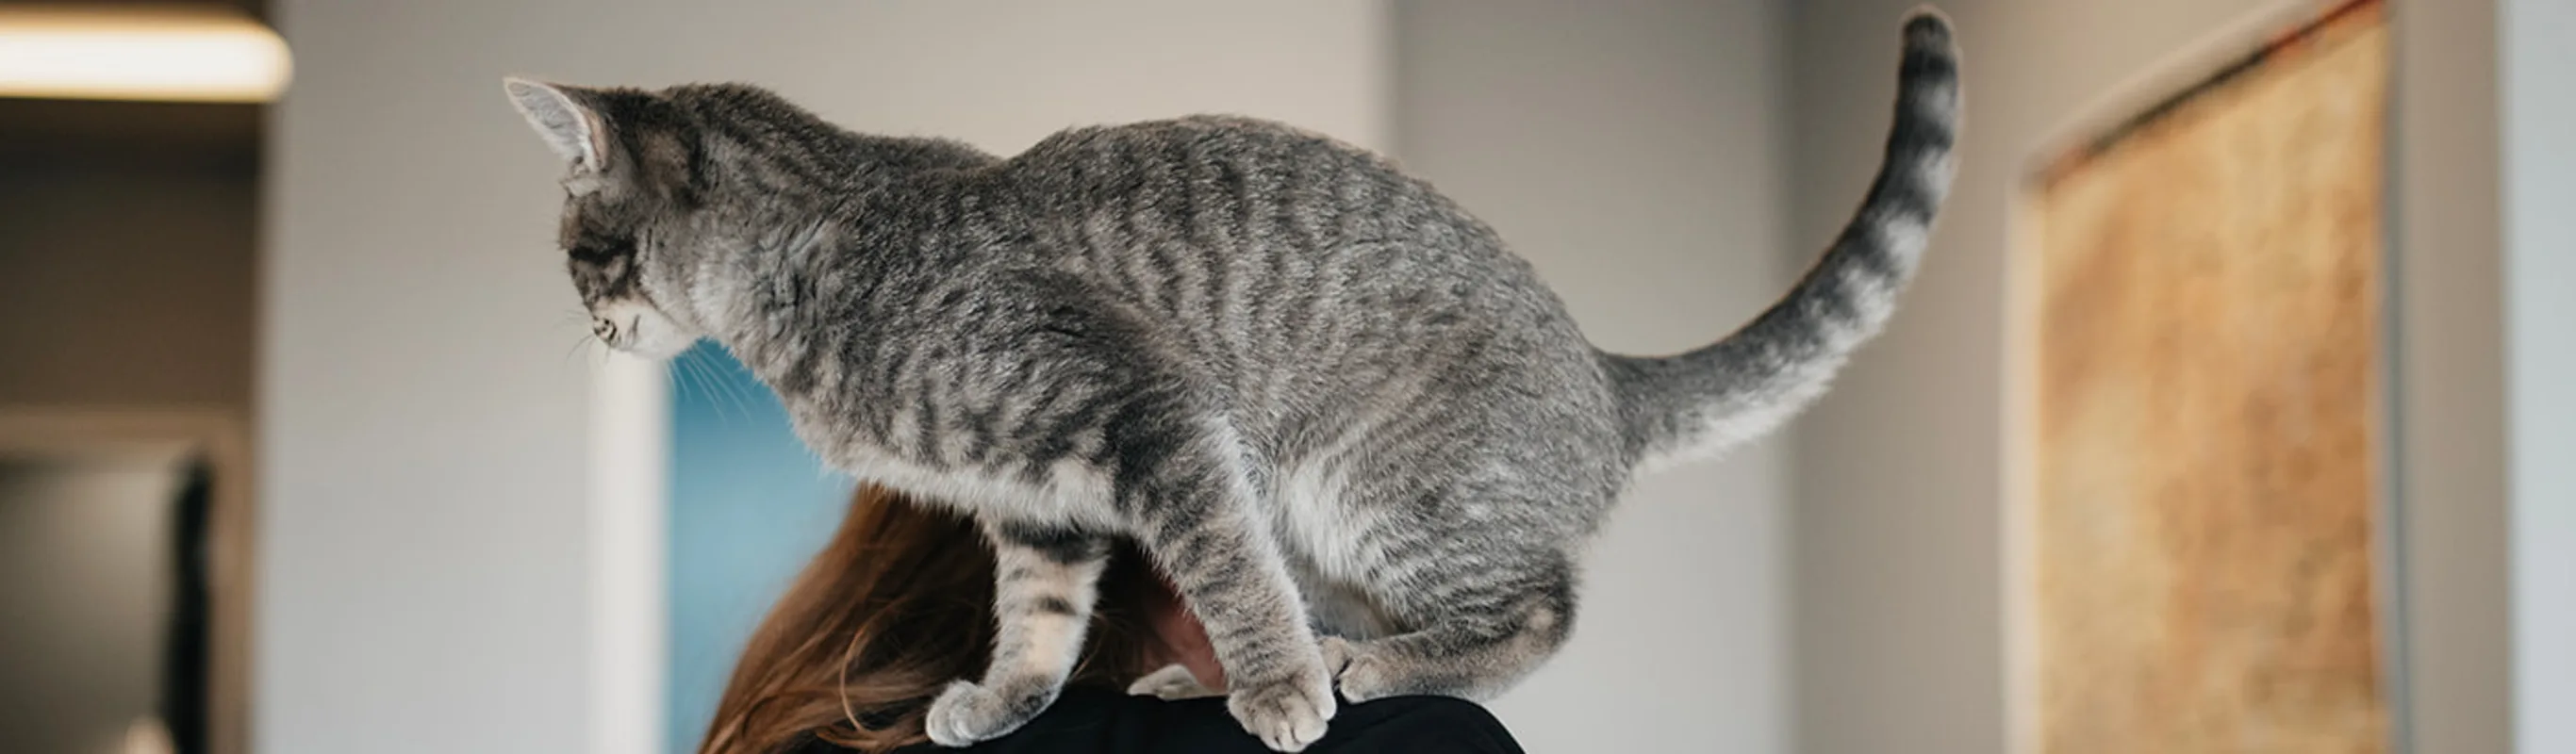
[[1631, 151], [1897, 528], [425, 429], [2540, 181]]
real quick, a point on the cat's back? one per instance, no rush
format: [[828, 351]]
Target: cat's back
[[1242, 206], [1233, 182], [1216, 139], [1305, 270]]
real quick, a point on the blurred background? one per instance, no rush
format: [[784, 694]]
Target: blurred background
[[301, 449]]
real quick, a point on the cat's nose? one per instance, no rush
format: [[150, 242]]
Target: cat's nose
[[606, 330]]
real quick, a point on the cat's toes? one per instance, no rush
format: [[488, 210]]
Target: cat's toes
[[1287, 714], [1359, 675], [1337, 654], [966, 714], [1172, 682]]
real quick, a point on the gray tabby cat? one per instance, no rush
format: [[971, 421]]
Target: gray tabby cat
[[1327, 401]]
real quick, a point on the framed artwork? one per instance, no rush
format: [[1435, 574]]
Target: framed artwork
[[2197, 555]]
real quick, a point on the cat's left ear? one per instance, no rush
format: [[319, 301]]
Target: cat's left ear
[[570, 127]]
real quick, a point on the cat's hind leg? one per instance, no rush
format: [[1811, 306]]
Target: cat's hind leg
[[1046, 581], [1480, 631], [1181, 482]]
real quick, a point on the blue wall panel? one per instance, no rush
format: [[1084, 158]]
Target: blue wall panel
[[749, 506]]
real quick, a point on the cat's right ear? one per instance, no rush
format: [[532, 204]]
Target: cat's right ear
[[570, 127]]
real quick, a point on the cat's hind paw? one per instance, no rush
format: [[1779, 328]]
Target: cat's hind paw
[[967, 714], [1173, 682], [1357, 673]]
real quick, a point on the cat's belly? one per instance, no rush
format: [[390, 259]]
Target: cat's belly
[[1314, 518], [1066, 492], [1319, 530], [1342, 609]]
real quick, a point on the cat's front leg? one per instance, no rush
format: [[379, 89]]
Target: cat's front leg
[[1193, 514], [1046, 580]]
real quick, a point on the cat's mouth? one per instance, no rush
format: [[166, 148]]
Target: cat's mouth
[[638, 330], [614, 333]]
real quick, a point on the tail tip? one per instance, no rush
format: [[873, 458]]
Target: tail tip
[[1927, 26]]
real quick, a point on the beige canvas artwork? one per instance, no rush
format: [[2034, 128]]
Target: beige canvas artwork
[[2199, 371]]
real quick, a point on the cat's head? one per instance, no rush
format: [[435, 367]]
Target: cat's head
[[629, 190]]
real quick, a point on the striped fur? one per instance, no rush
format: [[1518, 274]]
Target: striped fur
[[1360, 435]]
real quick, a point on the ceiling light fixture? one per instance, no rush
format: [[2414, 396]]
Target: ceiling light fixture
[[144, 53]]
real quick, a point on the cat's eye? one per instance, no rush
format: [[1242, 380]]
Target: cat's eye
[[600, 253]]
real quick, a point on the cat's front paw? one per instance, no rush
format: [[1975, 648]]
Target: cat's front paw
[[967, 714], [1286, 714]]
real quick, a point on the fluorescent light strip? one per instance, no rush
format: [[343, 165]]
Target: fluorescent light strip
[[156, 54]]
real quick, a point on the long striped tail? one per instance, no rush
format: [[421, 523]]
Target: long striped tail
[[1702, 402]]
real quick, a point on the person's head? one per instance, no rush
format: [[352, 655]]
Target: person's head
[[896, 606]]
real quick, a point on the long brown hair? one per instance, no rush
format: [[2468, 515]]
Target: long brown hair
[[896, 606]]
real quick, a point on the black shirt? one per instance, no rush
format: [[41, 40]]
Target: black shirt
[[1103, 721]]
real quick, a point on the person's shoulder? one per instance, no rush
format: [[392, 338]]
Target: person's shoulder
[[1426, 724], [1426, 708], [1095, 721]]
